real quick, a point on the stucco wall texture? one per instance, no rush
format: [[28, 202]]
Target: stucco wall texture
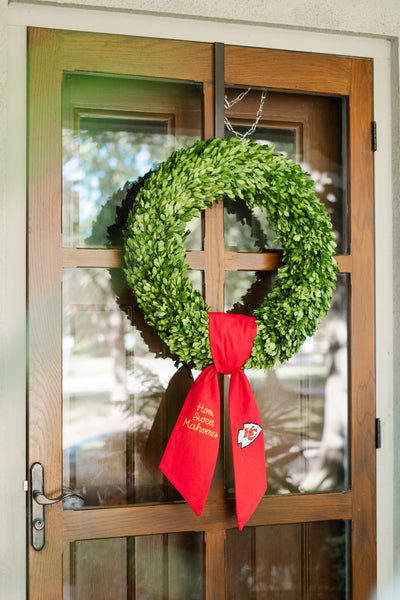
[[371, 17]]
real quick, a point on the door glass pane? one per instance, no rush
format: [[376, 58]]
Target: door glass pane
[[308, 129], [118, 380], [307, 560], [114, 131], [304, 402], [151, 567]]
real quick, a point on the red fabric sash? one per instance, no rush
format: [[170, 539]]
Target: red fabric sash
[[190, 456]]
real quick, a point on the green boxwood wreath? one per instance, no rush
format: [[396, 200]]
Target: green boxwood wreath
[[192, 180]]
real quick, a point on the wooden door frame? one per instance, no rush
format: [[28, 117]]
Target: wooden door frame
[[45, 314]]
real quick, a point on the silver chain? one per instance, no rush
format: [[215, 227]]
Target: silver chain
[[228, 104]]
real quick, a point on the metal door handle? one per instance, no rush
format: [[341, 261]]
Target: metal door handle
[[38, 502], [43, 500]]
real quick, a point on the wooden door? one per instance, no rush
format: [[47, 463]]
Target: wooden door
[[103, 392]]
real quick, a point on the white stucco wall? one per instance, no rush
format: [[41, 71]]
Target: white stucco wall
[[12, 321], [366, 19], [376, 17]]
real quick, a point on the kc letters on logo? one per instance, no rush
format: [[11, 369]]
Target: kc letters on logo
[[248, 434]]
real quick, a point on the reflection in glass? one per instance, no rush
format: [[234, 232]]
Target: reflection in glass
[[307, 560], [304, 402], [244, 290], [245, 229], [298, 126], [126, 128], [196, 278], [119, 378], [155, 567]]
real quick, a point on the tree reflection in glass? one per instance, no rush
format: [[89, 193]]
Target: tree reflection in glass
[[114, 131], [122, 392], [303, 403]]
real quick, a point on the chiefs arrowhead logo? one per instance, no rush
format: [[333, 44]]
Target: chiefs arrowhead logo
[[248, 434]]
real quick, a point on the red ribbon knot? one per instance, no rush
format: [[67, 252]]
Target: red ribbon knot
[[191, 453]]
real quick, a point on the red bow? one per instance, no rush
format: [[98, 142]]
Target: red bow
[[190, 456]]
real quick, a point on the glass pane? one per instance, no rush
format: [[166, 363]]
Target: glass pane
[[298, 126], [244, 290], [151, 567], [304, 402], [114, 131], [119, 377], [307, 560], [197, 279]]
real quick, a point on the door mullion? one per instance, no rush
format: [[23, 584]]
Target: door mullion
[[214, 296], [215, 565], [214, 257], [214, 217]]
